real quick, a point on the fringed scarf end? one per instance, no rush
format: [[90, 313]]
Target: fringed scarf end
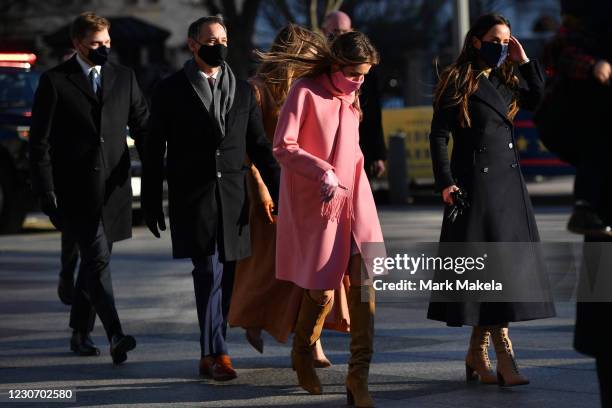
[[332, 209]]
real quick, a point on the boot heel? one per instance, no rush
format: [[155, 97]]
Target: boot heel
[[350, 400], [500, 379], [470, 374]]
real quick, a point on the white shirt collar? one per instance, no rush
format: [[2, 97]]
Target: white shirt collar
[[87, 68], [214, 76]]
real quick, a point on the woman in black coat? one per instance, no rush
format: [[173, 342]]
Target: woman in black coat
[[475, 101]]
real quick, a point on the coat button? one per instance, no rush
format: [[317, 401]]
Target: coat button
[[514, 165], [218, 174], [217, 153], [101, 140], [510, 145], [485, 169], [482, 149]]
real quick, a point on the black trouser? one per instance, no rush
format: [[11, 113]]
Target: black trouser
[[604, 373], [70, 255], [94, 288]]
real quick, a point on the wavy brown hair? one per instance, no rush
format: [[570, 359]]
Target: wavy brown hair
[[462, 76], [291, 40], [352, 48]]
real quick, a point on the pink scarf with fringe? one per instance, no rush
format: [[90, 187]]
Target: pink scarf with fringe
[[346, 141]]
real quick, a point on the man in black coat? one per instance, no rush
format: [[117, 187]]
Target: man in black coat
[[593, 92], [81, 169], [207, 121]]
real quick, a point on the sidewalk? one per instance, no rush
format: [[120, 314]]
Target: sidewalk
[[417, 363]]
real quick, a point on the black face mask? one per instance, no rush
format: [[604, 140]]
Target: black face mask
[[493, 54], [99, 55], [213, 55]]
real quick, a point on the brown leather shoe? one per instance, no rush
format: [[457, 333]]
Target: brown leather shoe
[[222, 369], [206, 366]]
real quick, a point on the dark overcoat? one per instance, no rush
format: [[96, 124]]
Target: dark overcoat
[[485, 163], [78, 145], [371, 136], [589, 338], [205, 170]]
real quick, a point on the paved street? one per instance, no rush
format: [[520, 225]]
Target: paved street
[[418, 363]]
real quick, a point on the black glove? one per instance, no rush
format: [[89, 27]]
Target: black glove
[[461, 204], [48, 205], [154, 219]]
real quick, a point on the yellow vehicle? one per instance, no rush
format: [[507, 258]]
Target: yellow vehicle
[[414, 125]]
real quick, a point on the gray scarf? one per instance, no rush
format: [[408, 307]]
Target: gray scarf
[[223, 94]]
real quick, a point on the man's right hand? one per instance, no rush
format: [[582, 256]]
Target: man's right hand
[[155, 221]]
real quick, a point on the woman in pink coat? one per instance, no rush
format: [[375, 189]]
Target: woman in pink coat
[[326, 208]]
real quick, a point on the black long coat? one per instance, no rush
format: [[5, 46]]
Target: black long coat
[[205, 171], [78, 145], [371, 136], [589, 337], [485, 163]]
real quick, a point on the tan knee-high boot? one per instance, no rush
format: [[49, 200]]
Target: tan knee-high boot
[[507, 371], [307, 331], [477, 363], [362, 337]]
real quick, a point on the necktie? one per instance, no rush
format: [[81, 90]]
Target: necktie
[[211, 83], [93, 79]]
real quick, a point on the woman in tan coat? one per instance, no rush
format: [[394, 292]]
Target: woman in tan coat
[[259, 300]]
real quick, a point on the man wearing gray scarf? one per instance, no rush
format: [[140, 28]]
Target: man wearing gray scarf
[[206, 122]]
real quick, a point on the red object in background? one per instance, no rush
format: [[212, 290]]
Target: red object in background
[[17, 59]]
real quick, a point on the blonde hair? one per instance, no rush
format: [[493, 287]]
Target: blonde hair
[[279, 73]]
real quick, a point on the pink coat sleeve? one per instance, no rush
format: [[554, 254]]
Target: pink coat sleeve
[[286, 137]]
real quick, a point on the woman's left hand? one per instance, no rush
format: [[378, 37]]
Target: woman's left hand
[[516, 53]]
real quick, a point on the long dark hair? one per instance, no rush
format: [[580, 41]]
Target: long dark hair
[[462, 76]]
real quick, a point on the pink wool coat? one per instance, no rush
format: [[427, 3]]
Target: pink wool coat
[[313, 250]]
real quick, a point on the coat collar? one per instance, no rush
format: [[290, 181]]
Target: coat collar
[[231, 114], [487, 93], [78, 78]]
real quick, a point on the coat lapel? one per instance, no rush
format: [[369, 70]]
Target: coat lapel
[[487, 93], [108, 80], [78, 78], [231, 115], [197, 97]]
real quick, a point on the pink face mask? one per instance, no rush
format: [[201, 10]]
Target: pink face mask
[[343, 84]]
